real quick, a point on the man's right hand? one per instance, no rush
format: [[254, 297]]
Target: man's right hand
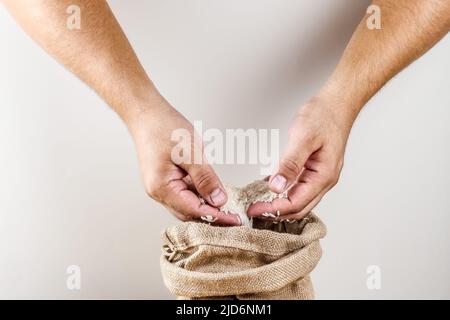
[[176, 186], [100, 54]]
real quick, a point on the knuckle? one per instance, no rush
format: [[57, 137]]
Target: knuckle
[[152, 188], [340, 164], [337, 173], [291, 167], [205, 181], [332, 178], [332, 173]]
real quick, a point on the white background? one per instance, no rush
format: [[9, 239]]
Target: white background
[[70, 191]]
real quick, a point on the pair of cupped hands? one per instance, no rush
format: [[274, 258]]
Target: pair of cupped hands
[[309, 167]]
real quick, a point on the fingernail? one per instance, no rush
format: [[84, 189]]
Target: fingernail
[[278, 183], [217, 196]]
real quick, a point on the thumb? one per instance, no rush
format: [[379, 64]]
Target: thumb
[[290, 167], [207, 183]]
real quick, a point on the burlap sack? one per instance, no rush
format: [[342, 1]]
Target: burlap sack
[[202, 261]]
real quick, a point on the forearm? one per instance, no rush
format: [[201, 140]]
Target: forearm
[[373, 57], [99, 53]]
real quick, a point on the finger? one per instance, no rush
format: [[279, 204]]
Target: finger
[[276, 207], [206, 183], [259, 208], [310, 185], [300, 215], [291, 164], [188, 181], [221, 219], [189, 206]]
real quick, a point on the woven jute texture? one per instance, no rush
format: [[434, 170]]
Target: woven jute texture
[[268, 261]]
